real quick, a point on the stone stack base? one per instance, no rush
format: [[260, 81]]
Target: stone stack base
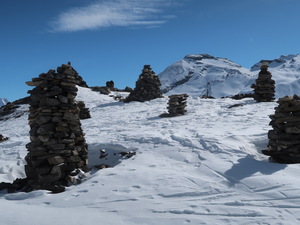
[[177, 105], [284, 139]]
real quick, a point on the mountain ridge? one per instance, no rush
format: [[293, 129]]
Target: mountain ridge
[[3, 101], [204, 74]]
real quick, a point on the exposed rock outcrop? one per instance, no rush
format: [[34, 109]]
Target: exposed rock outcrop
[[110, 86]]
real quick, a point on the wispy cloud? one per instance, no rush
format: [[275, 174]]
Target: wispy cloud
[[103, 14]]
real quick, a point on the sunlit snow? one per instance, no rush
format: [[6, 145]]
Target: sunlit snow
[[201, 168]]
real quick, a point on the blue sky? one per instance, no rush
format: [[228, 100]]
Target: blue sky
[[113, 39]]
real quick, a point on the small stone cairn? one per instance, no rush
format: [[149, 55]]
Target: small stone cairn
[[284, 139], [147, 87], [264, 88], [57, 144], [177, 105]]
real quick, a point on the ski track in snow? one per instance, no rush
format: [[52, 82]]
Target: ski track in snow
[[201, 168]]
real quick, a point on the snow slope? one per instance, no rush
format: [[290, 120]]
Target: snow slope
[[3, 101], [204, 74], [286, 73], [201, 168], [198, 75]]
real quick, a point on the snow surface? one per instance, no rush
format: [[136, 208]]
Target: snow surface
[[205, 167], [200, 74]]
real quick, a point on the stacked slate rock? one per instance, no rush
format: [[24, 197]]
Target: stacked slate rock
[[84, 112], [147, 87], [78, 78], [264, 88], [57, 144], [177, 105], [284, 139]]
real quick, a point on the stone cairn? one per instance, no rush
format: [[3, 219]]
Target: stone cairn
[[147, 87], [264, 88], [177, 105], [84, 112], [284, 139], [57, 144]]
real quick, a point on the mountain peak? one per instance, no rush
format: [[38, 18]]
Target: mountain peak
[[284, 61], [199, 57], [204, 74], [3, 101]]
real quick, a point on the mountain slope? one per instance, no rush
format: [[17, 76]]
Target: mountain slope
[[201, 168], [203, 74], [3, 101], [286, 73]]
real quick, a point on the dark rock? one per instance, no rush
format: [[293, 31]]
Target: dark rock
[[235, 105], [55, 130], [264, 88], [84, 112], [284, 139], [2, 138], [147, 87], [177, 105]]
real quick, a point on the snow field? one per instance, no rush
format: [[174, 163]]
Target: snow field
[[201, 168]]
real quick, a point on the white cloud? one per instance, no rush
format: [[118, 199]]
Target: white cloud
[[102, 14]]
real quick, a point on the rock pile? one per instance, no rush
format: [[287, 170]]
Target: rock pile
[[57, 144], [110, 86], [2, 138], [177, 105], [84, 112], [147, 87], [264, 88], [284, 139], [8, 109]]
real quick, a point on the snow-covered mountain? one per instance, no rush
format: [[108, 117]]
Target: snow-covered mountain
[[3, 101], [205, 167], [204, 74], [286, 73]]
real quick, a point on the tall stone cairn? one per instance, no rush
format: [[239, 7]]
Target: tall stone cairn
[[57, 144], [264, 88], [284, 139], [147, 87]]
